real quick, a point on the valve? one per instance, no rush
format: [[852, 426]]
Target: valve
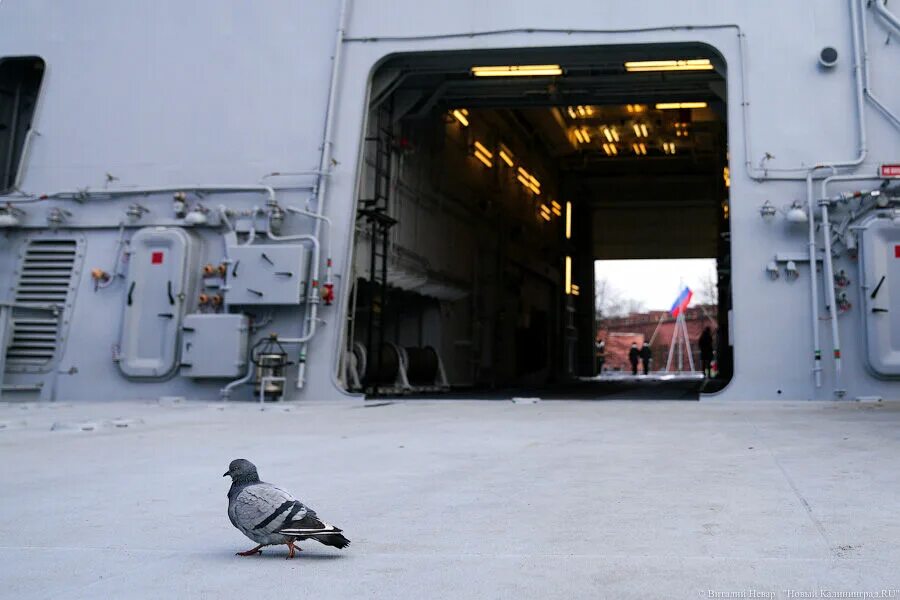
[[217, 300], [179, 204], [841, 280], [327, 293], [843, 302], [100, 277], [203, 299], [209, 270]]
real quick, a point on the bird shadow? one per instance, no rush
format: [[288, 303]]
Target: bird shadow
[[305, 555]]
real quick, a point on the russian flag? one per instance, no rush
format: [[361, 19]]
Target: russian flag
[[681, 303]]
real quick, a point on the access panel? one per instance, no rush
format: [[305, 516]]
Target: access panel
[[880, 268], [266, 274], [161, 283]]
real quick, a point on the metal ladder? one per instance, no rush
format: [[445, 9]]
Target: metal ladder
[[375, 211]]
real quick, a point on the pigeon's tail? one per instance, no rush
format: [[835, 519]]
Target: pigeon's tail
[[337, 540], [325, 534]]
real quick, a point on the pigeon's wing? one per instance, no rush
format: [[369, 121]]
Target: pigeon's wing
[[263, 509]]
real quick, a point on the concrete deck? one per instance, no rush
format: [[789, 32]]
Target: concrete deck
[[457, 499]]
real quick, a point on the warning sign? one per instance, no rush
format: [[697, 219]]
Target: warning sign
[[890, 170]]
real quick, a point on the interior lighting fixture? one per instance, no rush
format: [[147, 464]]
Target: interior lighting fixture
[[545, 212], [575, 290], [505, 155], [640, 130], [461, 115], [572, 113], [695, 64], [579, 136], [568, 275], [517, 71], [529, 181], [568, 220], [669, 147], [676, 105], [556, 208], [726, 175], [639, 148]]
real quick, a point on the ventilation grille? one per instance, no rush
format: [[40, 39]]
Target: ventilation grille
[[44, 278]]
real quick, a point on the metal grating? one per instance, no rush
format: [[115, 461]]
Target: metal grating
[[45, 278]]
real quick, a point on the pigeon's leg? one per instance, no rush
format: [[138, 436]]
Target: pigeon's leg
[[251, 552], [291, 549]]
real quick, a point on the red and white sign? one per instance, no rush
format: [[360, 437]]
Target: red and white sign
[[890, 170], [156, 258]]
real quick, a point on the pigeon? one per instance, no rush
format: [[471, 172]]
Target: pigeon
[[269, 516]]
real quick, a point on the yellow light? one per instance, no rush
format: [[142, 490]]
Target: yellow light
[[506, 155], [484, 159], [607, 150], [644, 130], [568, 275], [545, 212], [726, 175], [575, 290], [608, 134], [517, 71], [556, 207], [568, 220], [579, 136], [584, 132], [643, 148], [614, 149], [697, 64], [572, 113], [637, 130], [629, 108], [615, 134], [460, 115], [674, 105], [485, 151], [581, 111], [635, 148]]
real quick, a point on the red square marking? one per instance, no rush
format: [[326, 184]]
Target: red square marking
[[156, 258], [897, 251]]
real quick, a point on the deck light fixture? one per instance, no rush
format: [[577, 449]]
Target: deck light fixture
[[677, 105], [556, 208], [643, 66], [461, 114], [568, 220], [505, 155], [517, 71], [568, 275]]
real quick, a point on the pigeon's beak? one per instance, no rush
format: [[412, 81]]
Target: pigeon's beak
[[227, 473]]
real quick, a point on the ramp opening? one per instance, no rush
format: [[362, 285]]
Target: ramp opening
[[492, 181]]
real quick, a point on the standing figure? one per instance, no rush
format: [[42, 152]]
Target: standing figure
[[645, 357], [706, 351], [601, 356], [633, 354]]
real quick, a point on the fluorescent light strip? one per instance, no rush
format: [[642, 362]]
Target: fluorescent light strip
[[568, 275], [506, 155], [673, 105], [569, 219], [643, 66], [484, 159], [517, 71], [460, 115], [483, 150]]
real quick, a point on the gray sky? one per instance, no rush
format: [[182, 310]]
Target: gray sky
[[655, 282]]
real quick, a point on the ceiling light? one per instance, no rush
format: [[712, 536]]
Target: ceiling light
[[568, 275], [460, 115], [608, 134], [579, 136], [697, 64], [568, 220], [673, 105], [556, 208], [644, 130], [615, 134], [506, 155], [726, 175], [517, 71], [643, 148], [484, 159], [575, 290], [572, 113], [587, 136], [479, 146]]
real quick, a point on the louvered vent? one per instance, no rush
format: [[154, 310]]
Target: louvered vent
[[44, 278]]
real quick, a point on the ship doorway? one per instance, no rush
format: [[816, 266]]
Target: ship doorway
[[490, 184]]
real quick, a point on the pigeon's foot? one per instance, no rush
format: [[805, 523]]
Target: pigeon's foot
[[292, 548], [250, 552]]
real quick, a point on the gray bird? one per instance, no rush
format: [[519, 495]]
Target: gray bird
[[268, 515]]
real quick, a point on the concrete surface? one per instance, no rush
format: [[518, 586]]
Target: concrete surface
[[457, 499]]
